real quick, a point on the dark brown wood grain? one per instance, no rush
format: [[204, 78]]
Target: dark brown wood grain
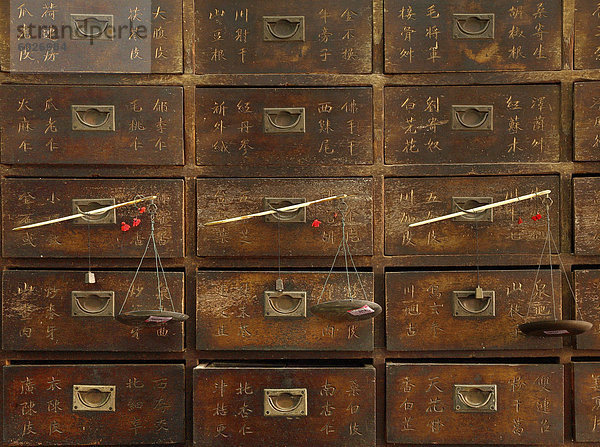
[[587, 41], [585, 199], [586, 397], [587, 121], [587, 285]]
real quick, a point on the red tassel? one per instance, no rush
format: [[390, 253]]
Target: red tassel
[[520, 221], [136, 222], [316, 223], [142, 210], [125, 227]]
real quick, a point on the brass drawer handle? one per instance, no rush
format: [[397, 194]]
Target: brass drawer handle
[[92, 304], [475, 398], [474, 118], [467, 203], [283, 28], [93, 118], [286, 304], [466, 303], [285, 402], [94, 397], [87, 205], [294, 216], [92, 26], [473, 26], [284, 120]]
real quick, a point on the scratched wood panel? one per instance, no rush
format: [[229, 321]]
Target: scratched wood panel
[[91, 125], [27, 201], [229, 197], [587, 283], [587, 40], [424, 314], [421, 404], [260, 36], [585, 207], [463, 35], [283, 127], [414, 199], [586, 109], [47, 311], [229, 406], [72, 36], [491, 124], [39, 405], [234, 312], [587, 401]]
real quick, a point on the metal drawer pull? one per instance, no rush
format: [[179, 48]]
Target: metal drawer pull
[[284, 120], [294, 216], [285, 304], [286, 402], [94, 397], [92, 304], [468, 304], [87, 205], [475, 398], [93, 118], [473, 26], [466, 203], [474, 118], [283, 28], [92, 26]]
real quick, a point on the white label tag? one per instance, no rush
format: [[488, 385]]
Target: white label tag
[[361, 311], [154, 319], [558, 332]]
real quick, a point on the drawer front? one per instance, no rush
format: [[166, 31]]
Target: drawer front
[[243, 310], [108, 37], [587, 40], [585, 204], [57, 311], [26, 201], [231, 405], [587, 119], [283, 127], [438, 311], [91, 404], [492, 404], [224, 198], [409, 200], [461, 35], [496, 124], [588, 306], [91, 125], [300, 37], [587, 408]]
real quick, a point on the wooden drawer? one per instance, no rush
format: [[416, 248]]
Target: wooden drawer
[[587, 410], [240, 405], [588, 306], [108, 37], [587, 120], [229, 197], [253, 36], [474, 404], [491, 124], [587, 40], [462, 35], [438, 311], [243, 310], [57, 405], [121, 125], [56, 311], [283, 127], [585, 204], [26, 201], [409, 200]]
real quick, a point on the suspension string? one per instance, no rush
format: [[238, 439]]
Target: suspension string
[[160, 307], [537, 273], [477, 250], [357, 274], [89, 248], [550, 259], [278, 249], [135, 276], [566, 276], [346, 254], [331, 269]]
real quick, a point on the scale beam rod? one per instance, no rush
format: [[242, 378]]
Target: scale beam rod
[[275, 211], [481, 208], [78, 215]]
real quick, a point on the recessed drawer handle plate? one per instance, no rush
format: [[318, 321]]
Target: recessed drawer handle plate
[[294, 216], [94, 397], [283, 28], [473, 26], [475, 398], [92, 303], [286, 304], [284, 120], [285, 402], [87, 205], [92, 26], [472, 117], [467, 203], [465, 303], [93, 117]]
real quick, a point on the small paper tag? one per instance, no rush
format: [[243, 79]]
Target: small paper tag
[[154, 319], [558, 332], [361, 311]]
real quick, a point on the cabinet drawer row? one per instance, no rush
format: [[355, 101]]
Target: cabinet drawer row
[[492, 403], [143, 125], [331, 37], [51, 310]]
